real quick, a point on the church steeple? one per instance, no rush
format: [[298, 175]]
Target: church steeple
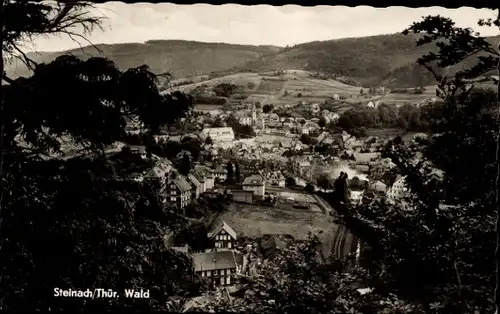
[[254, 113]]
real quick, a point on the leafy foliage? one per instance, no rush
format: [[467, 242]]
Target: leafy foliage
[[81, 221], [298, 281], [425, 251]]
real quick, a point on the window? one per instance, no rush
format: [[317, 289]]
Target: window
[[209, 273], [229, 244], [221, 281], [203, 274], [215, 272], [172, 199], [228, 280]]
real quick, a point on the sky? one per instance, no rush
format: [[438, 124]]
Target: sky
[[253, 25]]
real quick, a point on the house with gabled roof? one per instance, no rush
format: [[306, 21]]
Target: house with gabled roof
[[197, 186], [208, 175], [276, 178], [218, 268], [221, 173], [255, 183], [178, 190], [270, 246], [223, 236], [160, 169]]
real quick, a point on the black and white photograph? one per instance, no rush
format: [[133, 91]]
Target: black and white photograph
[[162, 157]]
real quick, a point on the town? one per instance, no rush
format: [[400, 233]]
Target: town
[[264, 165]]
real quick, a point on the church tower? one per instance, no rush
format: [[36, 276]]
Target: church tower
[[254, 114]]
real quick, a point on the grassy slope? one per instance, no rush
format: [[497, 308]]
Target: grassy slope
[[377, 60], [387, 60], [182, 58]]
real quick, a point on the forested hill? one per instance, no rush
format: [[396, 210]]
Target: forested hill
[[370, 61], [179, 57], [387, 60]]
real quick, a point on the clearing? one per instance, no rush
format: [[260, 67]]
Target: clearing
[[254, 221]]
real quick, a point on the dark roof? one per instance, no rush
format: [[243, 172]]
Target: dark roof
[[214, 260], [223, 226], [181, 183], [272, 245], [139, 148]]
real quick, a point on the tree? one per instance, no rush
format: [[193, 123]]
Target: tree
[[245, 131], [237, 172], [218, 123], [290, 181], [185, 164], [224, 89], [230, 171], [324, 182], [306, 139], [453, 245], [322, 122], [208, 141], [95, 226], [309, 188], [296, 280], [267, 108]]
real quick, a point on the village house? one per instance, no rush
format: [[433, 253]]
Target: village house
[[268, 247], [139, 150], [308, 127], [378, 187], [177, 190], [221, 173], [276, 178], [160, 170], [208, 175], [256, 184], [216, 268], [196, 186], [246, 120], [398, 190], [224, 134], [223, 237], [301, 167]]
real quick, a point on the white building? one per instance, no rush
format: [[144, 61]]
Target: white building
[[246, 121], [224, 134], [256, 184], [398, 190]]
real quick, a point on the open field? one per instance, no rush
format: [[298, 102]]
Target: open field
[[207, 107], [267, 86], [254, 221], [383, 133], [391, 133], [296, 85], [272, 90]]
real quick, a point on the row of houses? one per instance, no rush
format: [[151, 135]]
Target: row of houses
[[178, 190]]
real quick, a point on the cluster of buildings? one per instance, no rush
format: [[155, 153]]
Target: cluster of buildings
[[230, 260]]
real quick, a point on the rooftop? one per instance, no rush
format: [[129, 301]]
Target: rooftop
[[214, 260], [254, 180]]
